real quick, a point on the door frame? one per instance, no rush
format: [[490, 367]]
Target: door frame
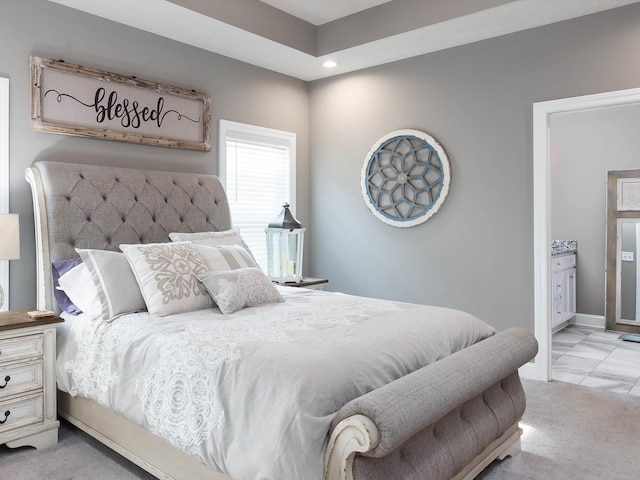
[[542, 112], [4, 177]]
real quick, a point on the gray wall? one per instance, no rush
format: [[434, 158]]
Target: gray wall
[[239, 92], [584, 146], [476, 254]]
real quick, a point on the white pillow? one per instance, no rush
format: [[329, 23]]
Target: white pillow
[[79, 287], [115, 282], [234, 290], [211, 239], [167, 276], [224, 257]]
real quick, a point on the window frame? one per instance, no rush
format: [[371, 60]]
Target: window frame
[[228, 128]]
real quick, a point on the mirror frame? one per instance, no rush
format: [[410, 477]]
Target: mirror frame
[[617, 213]]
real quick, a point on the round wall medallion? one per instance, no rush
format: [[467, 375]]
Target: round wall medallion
[[405, 178]]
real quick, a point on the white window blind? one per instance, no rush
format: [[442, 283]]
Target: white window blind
[[257, 168]]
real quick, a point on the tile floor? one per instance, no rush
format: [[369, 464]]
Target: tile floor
[[594, 358]]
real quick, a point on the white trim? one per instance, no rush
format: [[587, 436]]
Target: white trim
[[528, 371], [4, 177], [636, 261], [542, 112], [587, 320]]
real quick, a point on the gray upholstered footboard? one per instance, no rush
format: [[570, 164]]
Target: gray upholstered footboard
[[433, 423]]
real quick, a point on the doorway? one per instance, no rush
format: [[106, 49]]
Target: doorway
[[542, 114]]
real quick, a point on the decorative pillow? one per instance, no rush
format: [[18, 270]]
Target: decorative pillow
[[78, 286], [235, 289], [167, 276], [115, 282], [212, 239], [225, 257], [59, 268]]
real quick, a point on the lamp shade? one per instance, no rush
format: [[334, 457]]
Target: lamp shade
[[9, 237]]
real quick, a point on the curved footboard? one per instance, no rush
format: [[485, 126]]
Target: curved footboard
[[437, 420]]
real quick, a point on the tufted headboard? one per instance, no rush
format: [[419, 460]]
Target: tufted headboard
[[89, 206]]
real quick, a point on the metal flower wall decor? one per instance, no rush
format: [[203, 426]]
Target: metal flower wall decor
[[405, 178]]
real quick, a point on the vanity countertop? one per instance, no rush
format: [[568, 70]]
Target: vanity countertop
[[561, 247]]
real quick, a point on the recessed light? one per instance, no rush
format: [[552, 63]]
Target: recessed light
[[330, 64]]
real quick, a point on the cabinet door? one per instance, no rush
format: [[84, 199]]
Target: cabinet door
[[557, 313], [556, 286], [569, 293]]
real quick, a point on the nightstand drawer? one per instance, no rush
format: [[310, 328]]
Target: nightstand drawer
[[19, 378], [20, 412], [18, 348]]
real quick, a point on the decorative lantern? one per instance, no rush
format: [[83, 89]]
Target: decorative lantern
[[285, 241]]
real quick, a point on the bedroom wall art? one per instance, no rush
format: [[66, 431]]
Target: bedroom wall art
[[405, 178], [74, 100]]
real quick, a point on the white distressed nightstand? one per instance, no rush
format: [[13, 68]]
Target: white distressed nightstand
[[28, 380], [308, 282]]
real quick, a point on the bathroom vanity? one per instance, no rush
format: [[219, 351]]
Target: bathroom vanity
[[563, 281]]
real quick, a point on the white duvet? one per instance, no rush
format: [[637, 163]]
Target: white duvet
[[253, 394]]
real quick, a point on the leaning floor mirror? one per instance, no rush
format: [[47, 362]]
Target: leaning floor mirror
[[622, 309]]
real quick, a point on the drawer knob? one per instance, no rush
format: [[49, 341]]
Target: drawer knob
[[6, 381], [6, 415]]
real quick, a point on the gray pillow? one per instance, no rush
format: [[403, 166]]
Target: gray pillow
[[118, 290], [233, 290]]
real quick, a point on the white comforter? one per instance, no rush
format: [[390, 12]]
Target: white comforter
[[253, 394]]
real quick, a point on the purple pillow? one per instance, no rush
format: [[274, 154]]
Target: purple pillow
[[59, 268]]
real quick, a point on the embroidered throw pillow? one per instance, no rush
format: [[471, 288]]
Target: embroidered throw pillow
[[234, 290], [115, 282], [167, 276], [212, 239]]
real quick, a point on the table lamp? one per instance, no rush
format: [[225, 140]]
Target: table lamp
[[9, 241]]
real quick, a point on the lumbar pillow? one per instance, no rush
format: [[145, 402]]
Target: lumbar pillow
[[115, 282], [225, 257], [212, 239], [233, 290], [167, 276]]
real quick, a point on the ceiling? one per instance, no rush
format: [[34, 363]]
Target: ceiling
[[319, 12], [295, 37]]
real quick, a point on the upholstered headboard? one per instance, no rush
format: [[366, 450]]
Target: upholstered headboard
[[88, 206]]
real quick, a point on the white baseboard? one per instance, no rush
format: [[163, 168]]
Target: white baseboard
[[528, 371], [587, 320]]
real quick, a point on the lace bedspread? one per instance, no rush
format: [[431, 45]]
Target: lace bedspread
[[253, 394]]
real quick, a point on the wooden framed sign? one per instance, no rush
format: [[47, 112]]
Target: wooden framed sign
[[74, 100]]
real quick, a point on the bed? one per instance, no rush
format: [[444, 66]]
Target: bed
[[445, 414]]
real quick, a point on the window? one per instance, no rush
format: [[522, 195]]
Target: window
[[257, 169]]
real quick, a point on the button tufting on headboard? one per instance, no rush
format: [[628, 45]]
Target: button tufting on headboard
[[89, 206]]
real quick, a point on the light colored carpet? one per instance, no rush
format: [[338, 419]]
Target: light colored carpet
[[574, 432], [571, 432]]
